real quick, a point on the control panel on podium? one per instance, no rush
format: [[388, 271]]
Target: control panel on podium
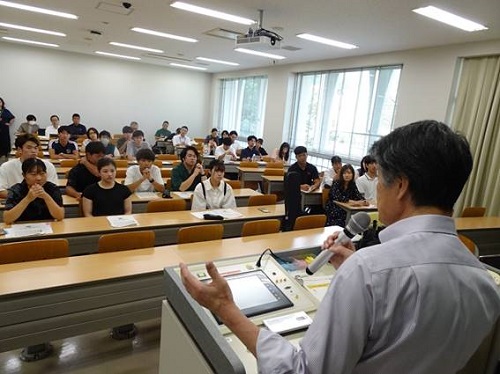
[[274, 292]]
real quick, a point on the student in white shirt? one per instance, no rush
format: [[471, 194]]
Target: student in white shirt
[[235, 145], [225, 152], [367, 183], [144, 177], [214, 193], [181, 139], [52, 128]]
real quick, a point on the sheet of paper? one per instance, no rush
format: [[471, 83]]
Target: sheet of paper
[[122, 221], [147, 195], [28, 229], [184, 195], [226, 213]]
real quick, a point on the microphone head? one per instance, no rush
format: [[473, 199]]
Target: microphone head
[[358, 223]]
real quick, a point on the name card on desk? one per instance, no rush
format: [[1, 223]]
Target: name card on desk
[[28, 229]]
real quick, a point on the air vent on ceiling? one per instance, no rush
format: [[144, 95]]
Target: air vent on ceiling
[[114, 8], [166, 57], [223, 33]]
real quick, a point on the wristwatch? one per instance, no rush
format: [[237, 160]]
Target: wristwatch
[[151, 180]]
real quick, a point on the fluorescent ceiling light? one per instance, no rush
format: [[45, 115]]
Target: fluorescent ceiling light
[[25, 28], [211, 13], [449, 18], [164, 35], [115, 55], [37, 10], [136, 47], [261, 54], [187, 66], [319, 39], [29, 41], [217, 61]]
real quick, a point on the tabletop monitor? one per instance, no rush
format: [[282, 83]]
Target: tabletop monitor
[[254, 293]]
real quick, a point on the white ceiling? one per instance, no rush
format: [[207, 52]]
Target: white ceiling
[[373, 25]]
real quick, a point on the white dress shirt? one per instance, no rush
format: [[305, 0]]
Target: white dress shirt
[[181, 140], [420, 302], [134, 174], [367, 186], [215, 197]]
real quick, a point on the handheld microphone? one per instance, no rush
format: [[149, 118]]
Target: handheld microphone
[[358, 223]]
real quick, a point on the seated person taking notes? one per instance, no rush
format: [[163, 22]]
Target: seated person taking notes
[[189, 172], [417, 303], [214, 193], [11, 171], [106, 197], [144, 177], [34, 198]]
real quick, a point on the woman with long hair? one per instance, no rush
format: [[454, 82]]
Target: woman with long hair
[[343, 190], [283, 153]]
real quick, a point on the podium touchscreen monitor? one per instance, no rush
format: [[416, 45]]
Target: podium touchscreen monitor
[[254, 293]]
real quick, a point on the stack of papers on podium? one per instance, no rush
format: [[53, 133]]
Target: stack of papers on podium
[[122, 221], [28, 229], [226, 213], [147, 195]]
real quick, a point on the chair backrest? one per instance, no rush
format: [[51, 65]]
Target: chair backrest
[[176, 162], [471, 246], [313, 221], [268, 199], [124, 241], [275, 165], [158, 163], [267, 159], [33, 250], [261, 227], [121, 163], [474, 211], [249, 164], [324, 195], [68, 163], [279, 172], [234, 184], [166, 173], [121, 173], [199, 140], [166, 156], [200, 233], [166, 205]]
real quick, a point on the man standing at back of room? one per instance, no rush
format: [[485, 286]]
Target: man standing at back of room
[[309, 176], [417, 303], [11, 172]]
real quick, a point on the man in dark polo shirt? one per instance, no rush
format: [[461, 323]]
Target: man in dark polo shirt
[[309, 177], [189, 172], [85, 173], [76, 129], [63, 147]]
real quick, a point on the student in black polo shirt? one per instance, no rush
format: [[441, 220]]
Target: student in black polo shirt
[[63, 147], [85, 173], [309, 177]]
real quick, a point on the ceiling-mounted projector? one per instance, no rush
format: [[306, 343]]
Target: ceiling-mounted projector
[[260, 39]]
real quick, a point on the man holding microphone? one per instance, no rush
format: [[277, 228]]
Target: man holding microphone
[[419, 302]]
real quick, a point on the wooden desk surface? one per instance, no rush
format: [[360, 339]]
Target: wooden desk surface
[[273, 178], [18, 278], [477, 223], [100, 225], [364, 208]]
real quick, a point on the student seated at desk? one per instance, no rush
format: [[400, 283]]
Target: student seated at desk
[[28, 127], [343, 190], [92, 136], [163, 132], [106, 197], [249, 153], [308, 174], [189, 172], [110, 150], [136, 144], [282, 154], [34, 198], [225, 152], [11, 171], [63, 147], [214, 193], [122, 143], [144, 177], [85, 173]]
